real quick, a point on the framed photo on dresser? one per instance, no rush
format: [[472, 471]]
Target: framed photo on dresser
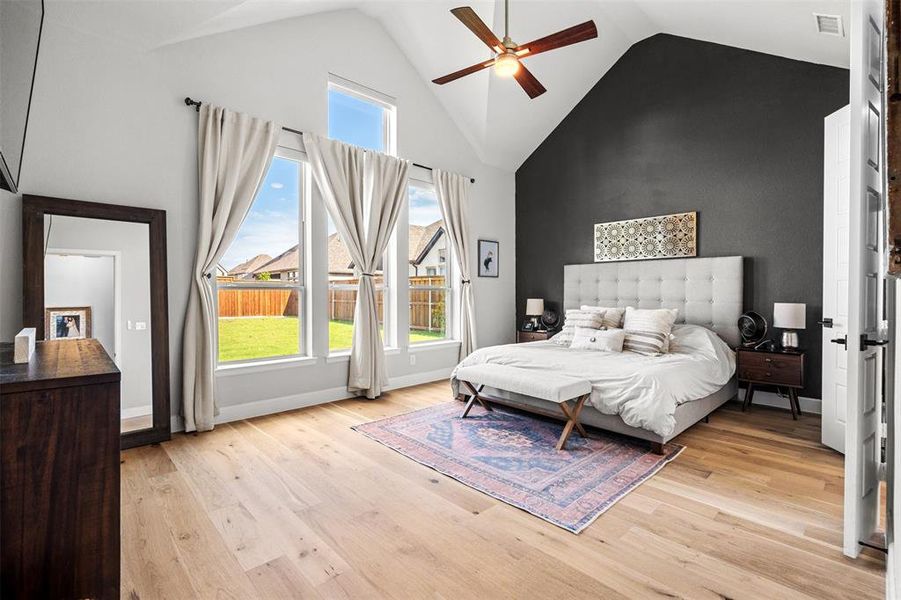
[[488, 258]]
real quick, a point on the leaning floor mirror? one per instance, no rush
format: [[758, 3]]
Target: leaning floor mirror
[[98, 271]]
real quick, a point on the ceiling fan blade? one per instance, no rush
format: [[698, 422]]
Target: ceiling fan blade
[[528, 82], [571, 35], [476, 25], [463, 72]]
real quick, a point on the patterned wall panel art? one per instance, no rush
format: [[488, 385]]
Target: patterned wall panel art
[[666, 236]]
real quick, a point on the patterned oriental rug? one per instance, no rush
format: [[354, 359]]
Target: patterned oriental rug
[[510, 455]]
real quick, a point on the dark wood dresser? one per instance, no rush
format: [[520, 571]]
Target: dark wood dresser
[[59, 472]]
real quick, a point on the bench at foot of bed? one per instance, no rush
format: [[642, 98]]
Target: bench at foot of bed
[[569, 393]]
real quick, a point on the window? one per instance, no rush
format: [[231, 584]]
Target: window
[[365, 118], [429, 279], [360, 116], [260, 279]]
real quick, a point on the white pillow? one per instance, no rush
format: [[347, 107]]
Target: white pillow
[[577, 318], [604, 340], [613, 317], [648, 330]]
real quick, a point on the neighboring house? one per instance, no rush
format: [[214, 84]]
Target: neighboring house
[[246, 269], [428, 250], [427, 257], [284, 267]]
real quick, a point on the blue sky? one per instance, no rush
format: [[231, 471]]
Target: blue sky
[[271, 226]]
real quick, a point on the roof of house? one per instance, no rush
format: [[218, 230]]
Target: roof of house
[[250, 266], [286, 261], [422, 239], [426, 237]]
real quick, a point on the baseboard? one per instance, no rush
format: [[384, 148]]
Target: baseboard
[[259, 408], [135, 411], [764, 398]]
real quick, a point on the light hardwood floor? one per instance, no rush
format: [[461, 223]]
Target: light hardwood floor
[[298, 505]]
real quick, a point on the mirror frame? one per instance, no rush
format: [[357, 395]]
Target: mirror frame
[[34, 208]]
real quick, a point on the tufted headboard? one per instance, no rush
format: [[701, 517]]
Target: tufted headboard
[[707, 291]]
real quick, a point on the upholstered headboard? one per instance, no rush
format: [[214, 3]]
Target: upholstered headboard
[[707, 291]]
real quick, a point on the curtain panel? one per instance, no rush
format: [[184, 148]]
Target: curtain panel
[[453, 197], [234, 152], [363, 192]]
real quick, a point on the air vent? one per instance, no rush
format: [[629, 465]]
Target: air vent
[[829, 25]]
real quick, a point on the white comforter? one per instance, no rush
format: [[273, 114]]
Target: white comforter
[[643, 390]]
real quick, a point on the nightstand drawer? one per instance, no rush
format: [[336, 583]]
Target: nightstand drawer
[[776, 374], [770, 360], [531, 336]]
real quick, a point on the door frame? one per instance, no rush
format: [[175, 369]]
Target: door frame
[[34, 209]]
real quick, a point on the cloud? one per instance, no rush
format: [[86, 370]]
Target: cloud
[[276, 185]]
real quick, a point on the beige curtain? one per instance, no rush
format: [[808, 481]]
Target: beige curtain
[[453, 196], [363, 192], [233, 155]]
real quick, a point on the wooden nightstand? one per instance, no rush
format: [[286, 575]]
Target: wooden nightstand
[[780, 368], [533, 336]]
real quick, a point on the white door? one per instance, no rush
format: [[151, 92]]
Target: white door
[[836, 199], [866, 272]]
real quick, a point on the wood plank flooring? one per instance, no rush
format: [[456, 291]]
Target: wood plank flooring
[[298, 505]]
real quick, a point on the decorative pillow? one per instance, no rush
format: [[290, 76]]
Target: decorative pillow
[[577, 318], [604, 340], [613, 317], [648, 330]]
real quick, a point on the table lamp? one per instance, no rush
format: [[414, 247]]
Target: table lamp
[[534, 309], [789, 316]]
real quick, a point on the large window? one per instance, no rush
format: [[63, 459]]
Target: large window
[[363, 118], [260, 279], [429, 270]]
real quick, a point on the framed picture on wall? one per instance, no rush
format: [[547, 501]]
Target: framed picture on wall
[[488, 258], [67, 323]]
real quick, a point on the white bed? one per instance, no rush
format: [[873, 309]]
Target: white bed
[[653, 398]]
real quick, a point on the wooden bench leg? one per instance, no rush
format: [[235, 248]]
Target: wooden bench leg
[[473, 398], [572, 422]]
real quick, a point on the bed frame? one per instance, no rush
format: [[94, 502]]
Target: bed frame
[[707, 292]]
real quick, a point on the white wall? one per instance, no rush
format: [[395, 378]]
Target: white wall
[[109, 125]]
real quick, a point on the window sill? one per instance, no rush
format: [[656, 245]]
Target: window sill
[[243, 368], [344, 355], [423, 346]]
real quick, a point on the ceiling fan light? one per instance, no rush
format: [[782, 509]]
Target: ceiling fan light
[[506, 65]]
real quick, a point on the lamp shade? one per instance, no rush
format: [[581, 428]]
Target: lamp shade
[[534, 307], [789, 315]]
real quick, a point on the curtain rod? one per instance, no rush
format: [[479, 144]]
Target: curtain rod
[[196, 104]]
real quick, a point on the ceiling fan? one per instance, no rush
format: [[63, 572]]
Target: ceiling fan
[[508, 55]]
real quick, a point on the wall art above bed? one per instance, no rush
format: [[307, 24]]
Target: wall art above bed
[[665, 236]]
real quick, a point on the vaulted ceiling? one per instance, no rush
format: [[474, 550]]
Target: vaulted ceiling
[[501, 122]]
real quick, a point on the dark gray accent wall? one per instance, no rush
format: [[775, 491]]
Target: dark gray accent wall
[[679, 125]]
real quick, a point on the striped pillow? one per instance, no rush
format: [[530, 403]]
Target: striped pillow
[[577, 318], [613, 317], [648, 330]]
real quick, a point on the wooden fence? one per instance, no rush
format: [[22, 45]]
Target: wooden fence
[[257, 302], [427, 307]]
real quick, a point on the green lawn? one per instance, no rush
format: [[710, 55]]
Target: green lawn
[[264, 337]]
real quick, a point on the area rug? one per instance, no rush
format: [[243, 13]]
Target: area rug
[[510, 455]]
